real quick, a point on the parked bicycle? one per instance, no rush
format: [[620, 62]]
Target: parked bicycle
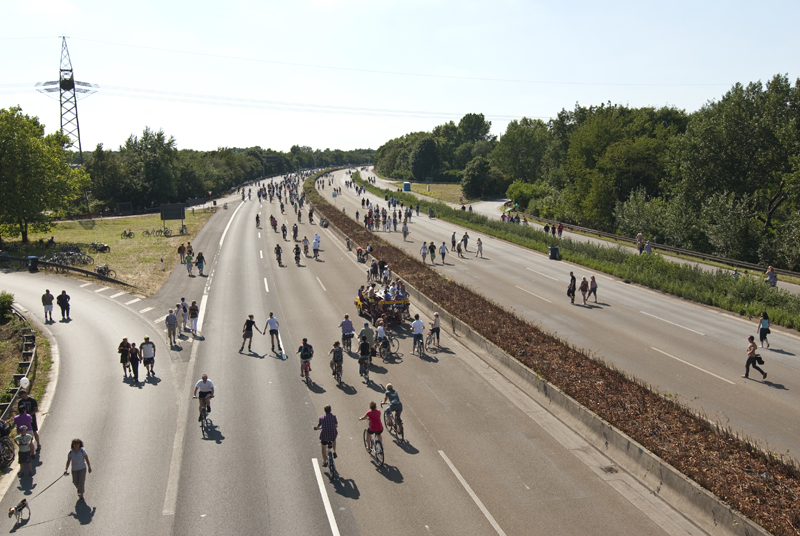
[[127, 233], [100, 247], [104, 270], [6, 446], [152, 232]]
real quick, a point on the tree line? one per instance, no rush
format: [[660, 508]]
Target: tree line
[[41, 181], [722, 180]]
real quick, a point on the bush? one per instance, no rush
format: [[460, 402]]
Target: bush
[[6, 299]]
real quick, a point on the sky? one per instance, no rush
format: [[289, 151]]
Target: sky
[[347, 74]]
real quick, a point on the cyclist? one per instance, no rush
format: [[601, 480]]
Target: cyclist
[[364, 353], [283, 230], [375, 425], [418, 326], [393, 400], [294, 232], [305, 246], [347, 328], [383, 341], [258, 221], [435, 327], [206, 389], [278, 251], [296, 251], [315, 247], [328, 426], [368, 333], [306, 352], [338, 356]]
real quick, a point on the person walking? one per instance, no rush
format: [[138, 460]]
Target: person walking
[[453, 242], [189, 249], [584, 289], [80, 463], [458, 250], [763, 328], [273, 325], [134, 358], [182, 252], [63, 304], [571, 287], [184, 309], [23, 441], [640, 243], [432, 252], [593, 288], [188, 259], [148, 352], [479, 245], [171, 322], [194, 315], [47, 302], [31, 407], [443, 251], [247, 333], [753, 359], [200, 261], [465, 240], [124, 350], [424, 251]]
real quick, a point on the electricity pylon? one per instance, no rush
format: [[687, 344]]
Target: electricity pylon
[[66, 86]]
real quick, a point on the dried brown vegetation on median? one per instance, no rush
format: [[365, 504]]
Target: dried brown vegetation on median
[[762, 487]]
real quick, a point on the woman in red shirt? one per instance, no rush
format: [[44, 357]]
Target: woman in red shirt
[[375, 424]]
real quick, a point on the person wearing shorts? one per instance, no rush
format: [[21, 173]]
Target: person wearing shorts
[[393, 399], [23, 440], [432, 252], [47, 302], [247, 332], [417, 326], [328, 431], [338, 356], [375, 424], [272, 324], [306, 352], [124, 350], [148, 352]]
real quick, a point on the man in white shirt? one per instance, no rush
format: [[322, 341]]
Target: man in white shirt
[[148, 351], [442, 251], [315, 247], [272, 324], [417, 326], [206, 388]]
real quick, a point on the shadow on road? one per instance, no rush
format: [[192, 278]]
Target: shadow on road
[[347, 488], [407, 447], [775, 385], [782, 352], [83, 512], [316, 388], [390, 472], [347, 389]]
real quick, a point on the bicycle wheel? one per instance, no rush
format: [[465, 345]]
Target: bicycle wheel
[[332, 466], [145, 233], [379, 452], [168, 232], [6, 452], [387, 422], [112, 274], [158, 232], [384, 353], [366, 440], [395, 346], [87, 259]]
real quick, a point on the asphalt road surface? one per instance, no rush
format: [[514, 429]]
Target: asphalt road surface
[[694, 353], [480, 457]]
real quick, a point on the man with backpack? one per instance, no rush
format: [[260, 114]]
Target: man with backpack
[[306, 352]]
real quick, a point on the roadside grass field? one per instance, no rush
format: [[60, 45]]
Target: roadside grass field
[[136, 261], [447, 192]]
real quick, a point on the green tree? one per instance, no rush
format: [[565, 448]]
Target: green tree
[[474, 128], [425, 159], [106, 173], [150, 165], [520, 151], [35, 178], [480, 179]]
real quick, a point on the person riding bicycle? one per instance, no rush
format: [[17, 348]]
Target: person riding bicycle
[[294, 232], [375, 424], [418, 326], [305, 246], [393, 400], [328, 426], [364, 354], [278, 251], [348, 331], [383, 340], [296, 251], [306, 352], [283, 230], [206, 389], [338, 356]]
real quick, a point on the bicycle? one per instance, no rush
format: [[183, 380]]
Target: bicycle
[[420, 347], [392, 425], [204, 420], [347, 339], [430, 339], [305, 369], [377, 451], [127, 233], [6, 446], [388, 347], [337, 373], [166, 232], [100, 247], [104, 270], [331, 463]]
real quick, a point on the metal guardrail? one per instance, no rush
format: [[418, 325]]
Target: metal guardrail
[[26, 362], [58, 266], [663, 247]]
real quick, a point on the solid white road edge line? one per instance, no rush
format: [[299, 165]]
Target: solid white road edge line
[[225, 232], [529, 292], [202, 314], [691, 365], [673, 323], [472, 494], [323, 286], [266, 286], [325, 500]]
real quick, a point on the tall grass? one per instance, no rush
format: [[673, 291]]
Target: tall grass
[[746, 295]]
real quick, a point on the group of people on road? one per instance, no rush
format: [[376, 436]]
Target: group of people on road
[[270, 325], [62, 301], [587, 288], [130, 356]]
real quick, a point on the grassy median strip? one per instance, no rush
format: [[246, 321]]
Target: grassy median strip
[[747, 295], [136, 261], [763, 486]]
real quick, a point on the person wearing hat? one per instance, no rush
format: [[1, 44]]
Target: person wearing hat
[[148, 352], [23, 440]]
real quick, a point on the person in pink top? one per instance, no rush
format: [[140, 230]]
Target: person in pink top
[[375, 424]]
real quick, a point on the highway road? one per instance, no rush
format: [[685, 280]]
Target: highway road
[[480, 457], [694, 353]]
